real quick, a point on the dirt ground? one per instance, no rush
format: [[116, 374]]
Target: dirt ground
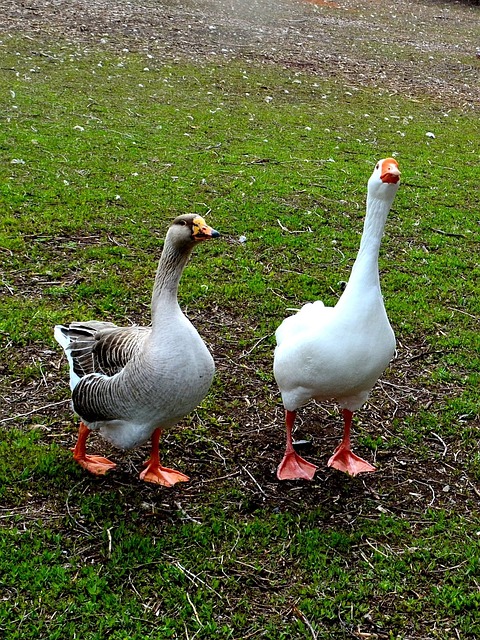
[[415, 47]]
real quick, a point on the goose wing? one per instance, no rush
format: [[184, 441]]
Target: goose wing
[[99, 347], [312, 314]]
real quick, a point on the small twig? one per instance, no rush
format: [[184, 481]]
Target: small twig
[[29, 413], [134, 587], [446, 233], [244, 355], [229, 475], [397, 386], [443, 569], [375, 548], [474, 487], [445, 448], [42, 374], [421, 355], [191, 576], [464, 312], [434, 497], [109, 535], [284, 228], [340, 252], [299, 614], [8, 287], [367, 560], [195, 612], [259, 487], [185, 514]]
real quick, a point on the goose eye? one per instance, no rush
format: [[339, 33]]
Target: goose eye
[[378, 164], [183, 223]]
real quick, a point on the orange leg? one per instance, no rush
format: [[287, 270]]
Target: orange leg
[[343, 458], [293, 466], [95, 464], [154, 471]]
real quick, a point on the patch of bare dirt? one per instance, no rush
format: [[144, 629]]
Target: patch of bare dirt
[[244, 443], [416, 47]]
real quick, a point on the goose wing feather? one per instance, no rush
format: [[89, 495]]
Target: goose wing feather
[[101, 347], [311, 314]]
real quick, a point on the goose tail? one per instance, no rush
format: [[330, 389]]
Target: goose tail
[[60, 333], [62, 336]]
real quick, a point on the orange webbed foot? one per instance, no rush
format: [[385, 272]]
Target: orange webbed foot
[[345, 460], [96, 464], [157, 474], [294, 467]]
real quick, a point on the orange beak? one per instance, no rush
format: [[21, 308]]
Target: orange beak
[[390, 171], [202, 231]]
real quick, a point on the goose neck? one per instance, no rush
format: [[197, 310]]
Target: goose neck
[[376, 216], [366, 263], [165, 290]]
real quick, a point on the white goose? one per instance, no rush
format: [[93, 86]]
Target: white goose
[[129, 383], [339, 352]]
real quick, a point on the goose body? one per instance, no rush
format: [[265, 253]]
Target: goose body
[[338, 353], [130, 383]]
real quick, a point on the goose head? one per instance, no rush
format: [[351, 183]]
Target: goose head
[[385, 179], [188, 229]]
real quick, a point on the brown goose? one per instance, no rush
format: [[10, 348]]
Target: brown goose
[[129, 383]]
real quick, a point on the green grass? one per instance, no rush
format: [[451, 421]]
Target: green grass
[[97, 155]]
